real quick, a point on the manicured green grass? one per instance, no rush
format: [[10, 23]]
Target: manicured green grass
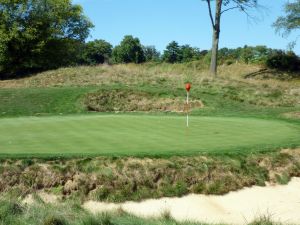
[[41, 101], [141, 135]]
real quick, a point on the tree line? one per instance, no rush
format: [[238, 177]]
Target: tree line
[[37, 35], [130, 50]]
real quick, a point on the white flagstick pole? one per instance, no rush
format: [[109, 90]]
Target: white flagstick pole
[[187, 107]]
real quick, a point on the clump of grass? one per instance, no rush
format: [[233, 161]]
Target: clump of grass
[[102, 193], [283, 179], [264, 220], [10, 208], [27, 162], [57, 190], [54, 220], [98, 220], [177, 189], [166, 215]]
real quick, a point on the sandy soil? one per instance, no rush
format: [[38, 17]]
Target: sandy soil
[[281, 203]]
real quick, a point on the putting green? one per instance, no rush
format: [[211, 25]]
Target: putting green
[[141, 135]]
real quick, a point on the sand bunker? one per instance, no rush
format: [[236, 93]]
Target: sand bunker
[[281, 203]]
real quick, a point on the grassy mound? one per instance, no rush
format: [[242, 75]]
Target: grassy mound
[[80, 89], [129, 101]]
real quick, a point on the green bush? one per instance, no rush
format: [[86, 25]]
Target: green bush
[[130, 50], [175, 53], [40, 35], [151, 54], [96, 52], [283, 61]]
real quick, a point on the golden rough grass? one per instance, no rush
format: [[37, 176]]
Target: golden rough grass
[[174, 76], [137, 74]]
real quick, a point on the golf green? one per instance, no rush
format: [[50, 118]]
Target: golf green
[[141, 135]]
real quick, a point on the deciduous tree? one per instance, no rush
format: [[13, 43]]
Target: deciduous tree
[[221, 7], [151, 54], [291, 21], [97, 52], [130, 50], [32, 31], [173, 53]]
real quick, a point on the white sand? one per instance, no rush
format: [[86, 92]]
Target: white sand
[[280, 202]]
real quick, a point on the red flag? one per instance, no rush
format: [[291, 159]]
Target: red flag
[[188, 87]]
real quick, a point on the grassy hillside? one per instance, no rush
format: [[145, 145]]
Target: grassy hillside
[[66, 90], [41, 101]]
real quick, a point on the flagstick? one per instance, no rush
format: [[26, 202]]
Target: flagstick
[[187, 107]]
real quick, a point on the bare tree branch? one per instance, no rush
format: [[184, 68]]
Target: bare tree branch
[[225, 10], [245, 7], [210, 14]]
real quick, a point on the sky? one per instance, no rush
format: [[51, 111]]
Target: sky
[[158, 22]]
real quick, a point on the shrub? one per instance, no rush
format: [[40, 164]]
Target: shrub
[[283, 61], [189, 53], [151, 54], [96, 52], [229, 62], [130, 50], [173, 53]]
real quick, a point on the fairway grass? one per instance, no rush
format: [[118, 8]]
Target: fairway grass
[[133, 135]]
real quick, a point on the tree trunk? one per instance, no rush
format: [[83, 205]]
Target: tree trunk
[[215, 40], [214, 53]]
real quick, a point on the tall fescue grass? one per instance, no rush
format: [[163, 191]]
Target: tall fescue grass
[[149, 73]]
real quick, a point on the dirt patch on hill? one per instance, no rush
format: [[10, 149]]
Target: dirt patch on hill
[[130, 101]]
